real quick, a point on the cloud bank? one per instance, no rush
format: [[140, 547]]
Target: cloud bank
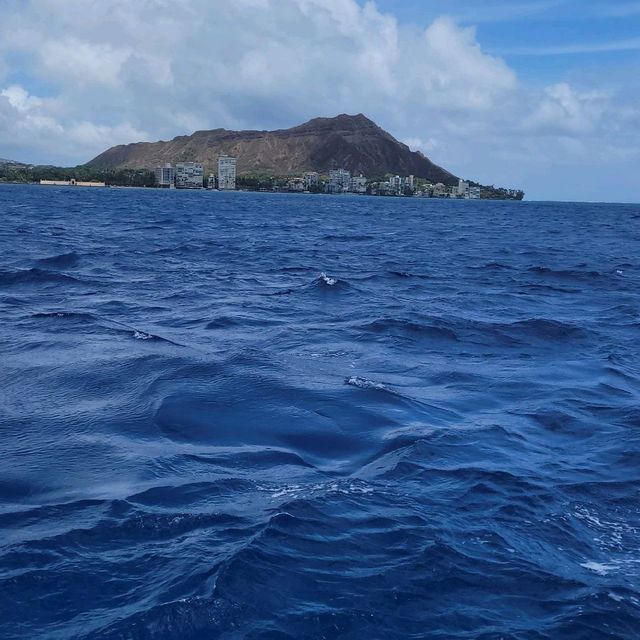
[[78, 78]]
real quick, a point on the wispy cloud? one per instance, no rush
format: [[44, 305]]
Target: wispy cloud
[[619, 10], [505, 13], [630, 44]]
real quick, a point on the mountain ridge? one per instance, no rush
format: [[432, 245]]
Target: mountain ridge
[[352, 142]]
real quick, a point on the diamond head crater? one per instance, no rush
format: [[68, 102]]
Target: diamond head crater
[[306, 157]]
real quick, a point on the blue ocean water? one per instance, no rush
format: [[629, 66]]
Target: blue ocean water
[[277, 416]]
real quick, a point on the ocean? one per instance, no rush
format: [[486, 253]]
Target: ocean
[[271, 416]]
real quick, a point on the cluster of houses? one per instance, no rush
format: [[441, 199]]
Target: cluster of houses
[[341, 181], [190, 175]]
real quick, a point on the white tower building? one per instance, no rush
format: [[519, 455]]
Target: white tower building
[[226, 173]]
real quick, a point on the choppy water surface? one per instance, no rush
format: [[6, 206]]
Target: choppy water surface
[[262, 416]]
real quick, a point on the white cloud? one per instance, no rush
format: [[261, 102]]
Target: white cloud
[[20, 99], [167, 67], [71, 60], [566, 112], [102, 73]]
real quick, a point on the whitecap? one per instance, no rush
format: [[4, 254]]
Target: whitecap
[[140, 335], [598, 567], [327, 280], [363, 383]]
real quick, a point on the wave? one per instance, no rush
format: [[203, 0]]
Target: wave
[[410, 329], [108, 325], [61, 261], [469, 332]]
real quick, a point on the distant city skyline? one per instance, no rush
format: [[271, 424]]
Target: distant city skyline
[[538, 94]]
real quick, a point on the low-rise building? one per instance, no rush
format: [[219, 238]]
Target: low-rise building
[[439, 190], [189, 175], [71, 183], [296, 185]]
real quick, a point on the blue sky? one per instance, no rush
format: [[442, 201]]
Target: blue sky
[[538, 94]]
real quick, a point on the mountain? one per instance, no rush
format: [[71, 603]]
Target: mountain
[[11, 163], [350, 142]]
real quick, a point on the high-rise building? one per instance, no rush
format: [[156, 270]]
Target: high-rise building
[[189, 175], [397, 185], [165, 176], [358, 184], [339, 180], [226, 173], [311, 179], [463, 189]]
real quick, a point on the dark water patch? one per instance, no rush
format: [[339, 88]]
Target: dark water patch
[[544, 329], [331, 237], [408, 274], [567, 274], [546, 288], [409, 329], [35, 276], [227, 322], [75, 316], [266, 458]]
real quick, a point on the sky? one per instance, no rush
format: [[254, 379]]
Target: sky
[[542, 95]]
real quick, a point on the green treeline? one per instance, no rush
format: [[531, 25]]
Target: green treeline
[[113, 177], [146, 178]]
